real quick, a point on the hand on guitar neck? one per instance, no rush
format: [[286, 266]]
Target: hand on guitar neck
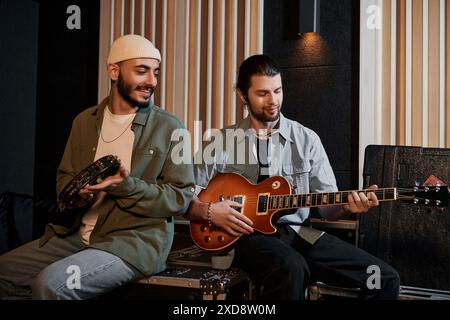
[[357, 203]]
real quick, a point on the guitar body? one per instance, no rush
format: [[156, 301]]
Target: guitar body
[[232, 186]]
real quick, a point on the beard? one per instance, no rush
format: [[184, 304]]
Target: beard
[[125, 91], [263, 117]]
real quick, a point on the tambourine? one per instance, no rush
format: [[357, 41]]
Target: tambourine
[[69, 198]]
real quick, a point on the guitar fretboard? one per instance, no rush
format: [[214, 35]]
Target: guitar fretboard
[[294, 201]]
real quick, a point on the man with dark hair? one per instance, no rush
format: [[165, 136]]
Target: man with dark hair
[[282, 264], [127, 230]]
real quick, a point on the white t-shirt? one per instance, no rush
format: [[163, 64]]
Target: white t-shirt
[[116, 138]]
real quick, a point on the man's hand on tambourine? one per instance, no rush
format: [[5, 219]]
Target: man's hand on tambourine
[[109, 184], [87, 197]]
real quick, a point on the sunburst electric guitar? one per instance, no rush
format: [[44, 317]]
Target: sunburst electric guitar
[[265, 202]]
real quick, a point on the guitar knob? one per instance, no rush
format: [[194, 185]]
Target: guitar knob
[[220, 238], [207, 239], [202, 228]]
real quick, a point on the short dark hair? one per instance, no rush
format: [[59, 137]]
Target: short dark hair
[[259, 64]]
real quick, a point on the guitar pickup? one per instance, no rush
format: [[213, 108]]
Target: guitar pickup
[[263, 203], [239, 199]]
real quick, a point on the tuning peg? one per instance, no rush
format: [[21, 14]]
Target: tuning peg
[[438, 202], [427, 201], [437, 189], [416, 189], [416, 183], [426, 189], [416, 201]]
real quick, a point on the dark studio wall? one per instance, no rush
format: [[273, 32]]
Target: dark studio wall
[[67, 81], [49, 73], [320, 76], [67, 84], [18, 70]]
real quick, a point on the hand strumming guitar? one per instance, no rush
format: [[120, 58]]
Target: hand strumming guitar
[[222, 215]]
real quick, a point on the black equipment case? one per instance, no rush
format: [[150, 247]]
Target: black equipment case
[[190, 275], [414, 239]]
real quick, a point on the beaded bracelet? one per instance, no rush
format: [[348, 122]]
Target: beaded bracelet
[[209, 214]]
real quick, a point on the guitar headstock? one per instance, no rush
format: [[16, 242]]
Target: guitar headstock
[[425, 195]]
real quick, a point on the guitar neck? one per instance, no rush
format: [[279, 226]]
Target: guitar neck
[[310, 200]]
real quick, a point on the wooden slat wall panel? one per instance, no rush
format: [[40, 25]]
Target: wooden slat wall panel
[[160, 24], [387, 90], [447, 74], [417, 74], [117, 18], [106, 13], [254, 25], [421, 72], [401, 72], [169, 56], [137, 25], [209, 62], [240, 51], [194, 63], [150, 20], [179, 76], [202, 43], [127, 17], [204, 85], [217, 70], [230, 62], [433, 72]]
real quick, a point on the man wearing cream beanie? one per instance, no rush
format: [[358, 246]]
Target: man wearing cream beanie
[[126, 228]]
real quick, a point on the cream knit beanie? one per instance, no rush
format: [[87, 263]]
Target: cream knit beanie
[[132, 46]]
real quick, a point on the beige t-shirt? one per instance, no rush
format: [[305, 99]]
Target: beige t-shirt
[[116, 138]]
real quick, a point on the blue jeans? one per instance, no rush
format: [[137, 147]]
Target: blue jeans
[[62, 269]]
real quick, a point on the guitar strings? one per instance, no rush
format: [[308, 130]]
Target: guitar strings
[[344, 194]]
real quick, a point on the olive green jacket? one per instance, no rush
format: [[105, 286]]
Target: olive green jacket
[[135, 221]]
